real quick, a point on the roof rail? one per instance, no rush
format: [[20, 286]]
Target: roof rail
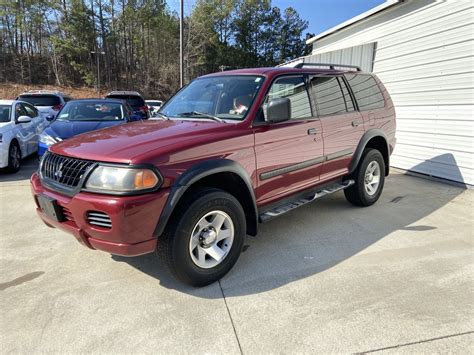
[[331, 66]]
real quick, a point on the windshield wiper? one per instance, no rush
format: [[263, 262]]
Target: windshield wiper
[[202, 114], [164, 116]]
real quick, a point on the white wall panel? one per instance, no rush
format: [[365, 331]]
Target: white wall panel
[[362, 56], [440, 82], [433, 126], [424, 55]]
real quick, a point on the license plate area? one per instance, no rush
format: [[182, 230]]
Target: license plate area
[[50, 207]]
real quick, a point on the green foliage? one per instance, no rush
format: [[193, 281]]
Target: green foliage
[[134, 44], [247, 33]]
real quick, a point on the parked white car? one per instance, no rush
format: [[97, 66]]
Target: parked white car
[[154, 106], [20, 126], [47, 102]]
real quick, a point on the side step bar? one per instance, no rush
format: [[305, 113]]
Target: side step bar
[[277, 211]]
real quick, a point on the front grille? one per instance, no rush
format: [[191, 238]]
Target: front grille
[[100, 219], [67, 214], [63, 170]]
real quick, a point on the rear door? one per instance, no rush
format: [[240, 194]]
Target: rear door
[[342, 124], [289, 154]]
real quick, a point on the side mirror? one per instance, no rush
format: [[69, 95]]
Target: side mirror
[[49, 118], [23, 119], [279, 110]]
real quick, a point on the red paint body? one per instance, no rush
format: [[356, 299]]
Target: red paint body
[[174, 146]]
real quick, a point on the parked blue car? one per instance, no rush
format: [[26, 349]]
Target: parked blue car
[[80, 116]]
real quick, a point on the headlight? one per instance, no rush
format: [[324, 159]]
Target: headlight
[[48, 140], [118, 179]]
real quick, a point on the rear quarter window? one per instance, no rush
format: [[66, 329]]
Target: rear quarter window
[[366, 92]]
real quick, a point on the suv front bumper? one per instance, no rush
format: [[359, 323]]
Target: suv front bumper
[[133, 219]]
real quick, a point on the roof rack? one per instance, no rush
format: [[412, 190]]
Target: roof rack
[[43, 91], [331, 66]]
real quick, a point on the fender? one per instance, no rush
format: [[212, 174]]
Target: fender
[[196, 173], [374, 132]]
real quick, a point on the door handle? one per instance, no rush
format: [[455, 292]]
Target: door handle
[[312, 131], [355, 123]]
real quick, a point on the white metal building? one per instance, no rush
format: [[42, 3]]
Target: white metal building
[[423, 51]]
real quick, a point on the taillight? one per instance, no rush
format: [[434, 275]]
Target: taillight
[[143, 108], [57, 107]]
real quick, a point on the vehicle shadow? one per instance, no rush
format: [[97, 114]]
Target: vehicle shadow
[[28, 166], [319, 236]]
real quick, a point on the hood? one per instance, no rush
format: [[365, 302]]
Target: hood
[[134, 142], [67, 129]]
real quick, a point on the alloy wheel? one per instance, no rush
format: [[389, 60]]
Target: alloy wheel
[[372, 178], [211, 239], [15, 157]]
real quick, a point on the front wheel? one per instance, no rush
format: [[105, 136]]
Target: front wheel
[[205, 237], [369, 179], [14, 158]]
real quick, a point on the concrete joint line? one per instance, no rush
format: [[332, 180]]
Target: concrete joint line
[[415, 342], [230, 316]]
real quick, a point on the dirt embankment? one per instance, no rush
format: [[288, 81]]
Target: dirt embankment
[[11, 91]]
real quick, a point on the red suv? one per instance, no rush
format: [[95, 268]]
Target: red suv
[[232, 150]]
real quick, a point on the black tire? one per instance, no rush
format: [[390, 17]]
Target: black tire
[[14, 158], [357, 193], [174, 247]]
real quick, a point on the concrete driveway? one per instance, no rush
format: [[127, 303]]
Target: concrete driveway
[[328, 277]]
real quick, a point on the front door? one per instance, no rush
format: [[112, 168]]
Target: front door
[[289, 154], [343, 126], [36, 127]]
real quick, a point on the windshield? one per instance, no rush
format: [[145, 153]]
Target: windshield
[[154, 103], [92, 111], [5, 113], [41, 100], [224, 97], [134, 101]]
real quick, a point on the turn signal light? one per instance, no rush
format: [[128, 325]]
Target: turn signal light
[[145, 179]]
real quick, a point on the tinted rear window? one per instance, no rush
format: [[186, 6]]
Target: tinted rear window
[[366, 92], [134, 101], [41, 100], [328, 94], [5, 113]]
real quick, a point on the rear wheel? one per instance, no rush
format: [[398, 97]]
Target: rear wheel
[[204, 238], [14, 158], [369, 179]]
